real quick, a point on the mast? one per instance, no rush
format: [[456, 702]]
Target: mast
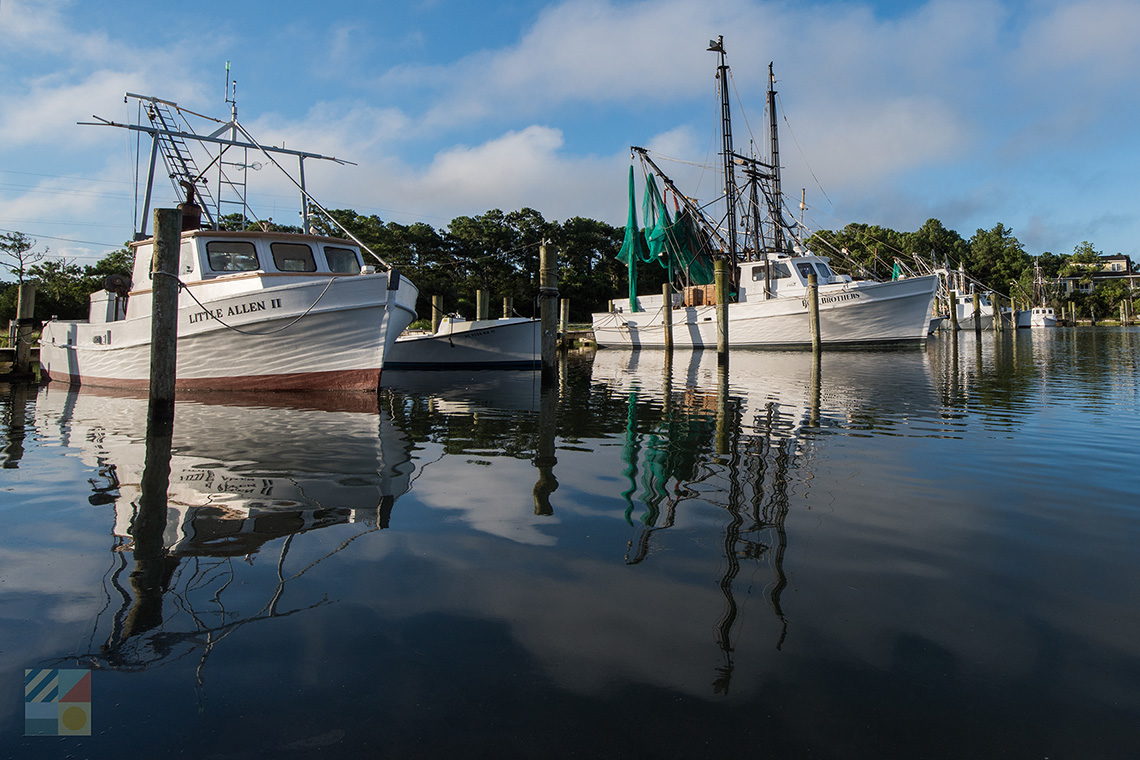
[[717, 46], [777, 199]]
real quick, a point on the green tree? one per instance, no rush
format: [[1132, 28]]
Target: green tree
[[19, 254], [996, 257]]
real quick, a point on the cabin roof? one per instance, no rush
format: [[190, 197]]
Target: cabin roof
[[253, 234]]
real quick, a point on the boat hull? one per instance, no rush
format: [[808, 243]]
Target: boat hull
[[484, 344], [870, 314], [285, 343]]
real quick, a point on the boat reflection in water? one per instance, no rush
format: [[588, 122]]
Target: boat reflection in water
[[739, 438], [239, 472]]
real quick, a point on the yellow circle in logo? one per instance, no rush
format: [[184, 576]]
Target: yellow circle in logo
[[74, 718]]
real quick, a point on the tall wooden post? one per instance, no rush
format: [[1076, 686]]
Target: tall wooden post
[[482, 306], [25, 309], [995, 302], [977, 297], [1123, 315], [564, 316], [164, 314], [813, 313], [436, 313], [954, 312], [667, 314], [508, 307], [547, 306], [720, 283]]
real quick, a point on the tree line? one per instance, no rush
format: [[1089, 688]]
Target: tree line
[[498, 252]]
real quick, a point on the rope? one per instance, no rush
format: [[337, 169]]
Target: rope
[[206, 309]]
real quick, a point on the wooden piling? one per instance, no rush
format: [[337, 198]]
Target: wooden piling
[[720, 284], [563, 315], [508, 307], [436, 313], [667, 314], [813, 313], [25, 310], [977, 313], [482, 305], [954, 312], [999, 318], [164, 314], [547, 306]]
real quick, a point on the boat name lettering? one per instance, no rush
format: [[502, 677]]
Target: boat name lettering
[[837, 297], [236, 310]]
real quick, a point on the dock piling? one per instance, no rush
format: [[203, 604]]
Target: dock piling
[[954, 312], [813, 313], [436, 313], [720, 284], [164, 315], [25, 309], [667, 314], [547, 306], [977, 297]]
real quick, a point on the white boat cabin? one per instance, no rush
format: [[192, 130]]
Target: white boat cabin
[[789, 276], [218, 263]]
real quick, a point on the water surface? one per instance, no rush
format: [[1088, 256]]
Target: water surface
[[910, 554]]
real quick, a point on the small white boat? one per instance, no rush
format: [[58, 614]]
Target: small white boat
[[256, 310], [1038, 316], [508, 343]]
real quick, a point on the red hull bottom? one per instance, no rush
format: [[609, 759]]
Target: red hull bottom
[[340, 380]]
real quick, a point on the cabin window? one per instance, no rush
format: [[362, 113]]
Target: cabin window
[[293, 257], [342, 260], [778, 270], [231, 256], [824, 270], [805, 269]]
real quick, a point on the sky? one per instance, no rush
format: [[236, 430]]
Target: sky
[[974, 112]]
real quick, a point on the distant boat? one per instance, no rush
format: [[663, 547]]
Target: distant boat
[[508, 343], [256, 310], [769, 273], [1038, 316]]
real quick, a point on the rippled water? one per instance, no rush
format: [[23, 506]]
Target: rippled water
[[903, 554]]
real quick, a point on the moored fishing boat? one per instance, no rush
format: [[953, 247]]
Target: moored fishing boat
[[508, 343], [257, 310], [768, 301]]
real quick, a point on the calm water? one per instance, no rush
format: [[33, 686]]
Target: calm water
[[906, 554]]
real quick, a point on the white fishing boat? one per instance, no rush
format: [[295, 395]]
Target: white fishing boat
[[769, 272], [256, 310], [1038, 316], [508, 343]]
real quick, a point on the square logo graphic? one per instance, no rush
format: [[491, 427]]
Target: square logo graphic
[[57, 702]]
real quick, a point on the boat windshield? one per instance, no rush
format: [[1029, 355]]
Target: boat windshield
[[293, 257], [342, 260], [231, 256]]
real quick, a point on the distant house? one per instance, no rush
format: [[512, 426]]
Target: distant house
[[1114, 268]]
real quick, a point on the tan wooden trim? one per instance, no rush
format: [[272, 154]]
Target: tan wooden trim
[[284, 237]]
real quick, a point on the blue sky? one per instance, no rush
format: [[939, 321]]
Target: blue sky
[[970, 111]]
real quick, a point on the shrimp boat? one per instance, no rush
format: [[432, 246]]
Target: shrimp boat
[[258, 309], [769, 267]]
